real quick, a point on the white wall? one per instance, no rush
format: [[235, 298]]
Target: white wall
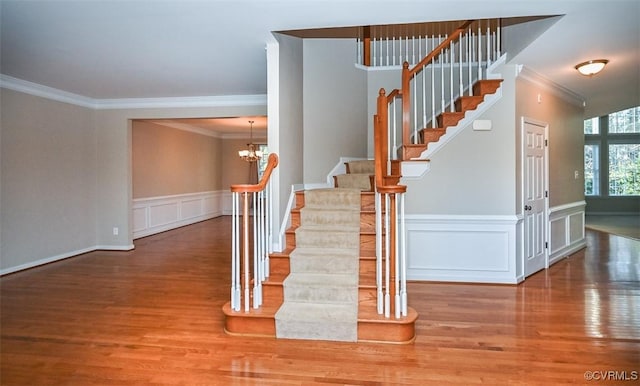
[[285, 99], [474, 173], [48, 180], [335, 106], [377, 78]]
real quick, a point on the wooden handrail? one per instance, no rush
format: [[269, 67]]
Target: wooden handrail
[[407, 74], [436, 51], [241, 258], [272, 162]]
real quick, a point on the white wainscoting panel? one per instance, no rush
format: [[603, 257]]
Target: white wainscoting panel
[[566, 230], [158, 214], [479, 249]]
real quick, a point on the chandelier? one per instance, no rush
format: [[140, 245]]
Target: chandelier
[[250, 154]]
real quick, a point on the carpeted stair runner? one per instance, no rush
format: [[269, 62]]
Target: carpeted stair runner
[[321, 291], [359, 175]]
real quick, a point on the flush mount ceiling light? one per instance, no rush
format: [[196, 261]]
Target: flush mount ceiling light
[[591, 67]]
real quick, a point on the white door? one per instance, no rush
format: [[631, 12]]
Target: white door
[[535, 192]]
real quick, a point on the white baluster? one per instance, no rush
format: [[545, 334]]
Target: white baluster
[[413, 50], [423, 74], [256, 262], [433, 92], [380, 296], [387, 51], [451, 104], [235, 305], [415, 109], [499, 43], [373, 52], [460, 85], [403, 257], [387, 296], [267, 221], [488, 46], [397, 307], [406, 48], [393, 127], [469, 42], [442, 103], [245, 249], [479, 53], [393, 48]]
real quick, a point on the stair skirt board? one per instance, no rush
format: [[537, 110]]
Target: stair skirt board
[[321, 291]]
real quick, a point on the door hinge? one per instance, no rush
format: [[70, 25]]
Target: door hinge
[[546, 245], [546, 193], [546, 142]]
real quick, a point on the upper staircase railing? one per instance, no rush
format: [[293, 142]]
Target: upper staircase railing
[[432, 86], [429, 92], [255, 240]]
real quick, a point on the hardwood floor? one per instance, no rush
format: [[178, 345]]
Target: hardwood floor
[[154, 316]]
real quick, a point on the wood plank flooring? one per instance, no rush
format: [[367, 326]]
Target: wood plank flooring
[[154, 316]]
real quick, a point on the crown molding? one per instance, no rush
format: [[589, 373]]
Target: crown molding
[[547, 84], [47, 92]]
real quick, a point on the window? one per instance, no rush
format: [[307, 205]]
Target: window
[[262, 162], [612, 154], [624, 170], [592, 126], [627, 121], [591, 170]]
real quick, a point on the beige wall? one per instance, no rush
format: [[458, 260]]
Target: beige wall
[[566, 137], [48, 179], [474, 173], [169, 161]]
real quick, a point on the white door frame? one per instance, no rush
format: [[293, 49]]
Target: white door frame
[[526, 120]]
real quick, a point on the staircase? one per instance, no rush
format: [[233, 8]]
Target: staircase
[[447, 119], [321, 280], [286, 266]]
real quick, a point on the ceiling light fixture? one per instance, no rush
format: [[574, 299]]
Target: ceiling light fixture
[[591, 67], [250, 154]]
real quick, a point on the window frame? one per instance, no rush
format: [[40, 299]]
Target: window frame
[[603, 139]]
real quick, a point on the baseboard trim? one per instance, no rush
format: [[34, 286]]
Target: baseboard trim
[[63, 256]]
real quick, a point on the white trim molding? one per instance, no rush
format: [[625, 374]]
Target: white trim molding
[[66, 255], [36, 89], [566, 230], [461, 248], [527, 73], [153, 215]]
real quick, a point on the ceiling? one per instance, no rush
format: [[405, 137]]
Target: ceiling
[[110, 50]]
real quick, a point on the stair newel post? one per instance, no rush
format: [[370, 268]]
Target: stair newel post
[[366, 46]]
